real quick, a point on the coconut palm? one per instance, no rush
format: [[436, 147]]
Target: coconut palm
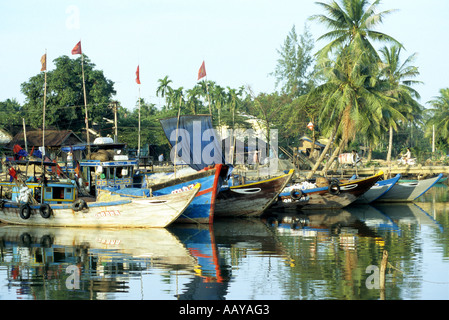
[[354, 99], [398, 77], [164, 89], [352, 89], [440, 114], [351, 24], [192, 99]]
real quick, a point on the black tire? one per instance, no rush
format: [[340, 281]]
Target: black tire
[[45, 210], [296, 194], [25, 211], [334, 188], [79, 205]]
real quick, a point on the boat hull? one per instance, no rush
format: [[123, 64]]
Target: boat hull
[[377, 191], [201, 209], [323, 199], [250, 200], [121, 212], [409, 191]]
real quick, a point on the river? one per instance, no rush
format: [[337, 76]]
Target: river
[[324, 255]]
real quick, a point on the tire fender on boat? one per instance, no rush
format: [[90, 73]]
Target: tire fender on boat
[[79, 205], [45, 210], [334, 188], [296, 194], [25, 211]]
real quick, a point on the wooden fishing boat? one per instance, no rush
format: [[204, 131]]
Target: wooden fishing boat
[[60, 206], [250, 200], [335, 196], [378, 190], [409, 191], [202, 208], [195, 151], [122, 177]]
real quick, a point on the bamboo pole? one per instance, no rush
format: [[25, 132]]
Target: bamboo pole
[[85, 105], [138, 148], [383, 268]]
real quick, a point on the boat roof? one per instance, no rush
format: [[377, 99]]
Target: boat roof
[[114, 163]]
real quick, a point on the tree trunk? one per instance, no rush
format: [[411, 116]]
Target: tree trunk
[[332, 158], [323, 154], [390, 146]]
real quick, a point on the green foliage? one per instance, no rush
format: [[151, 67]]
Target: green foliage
[[11, 114], [352, 92], [65, 97], [294, 69]]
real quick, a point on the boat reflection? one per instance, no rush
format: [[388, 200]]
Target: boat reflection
[[409, 214], [205, 260], [363, 220]]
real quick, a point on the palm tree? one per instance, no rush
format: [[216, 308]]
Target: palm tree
[[354, 99], [440, 114], [192, 99], [352, 24], [398, 84], [353, 92], [218, 96], [164, 89]]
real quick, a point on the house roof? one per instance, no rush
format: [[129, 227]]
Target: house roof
[[310, 140], [53, 138]]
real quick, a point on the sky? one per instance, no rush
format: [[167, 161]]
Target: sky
[[237, 39]]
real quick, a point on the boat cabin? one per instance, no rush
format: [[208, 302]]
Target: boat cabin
[[113, 175], [53, 191]]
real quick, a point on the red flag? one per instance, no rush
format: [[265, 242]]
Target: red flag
[[137, 76], [77, 48], [202, 71]]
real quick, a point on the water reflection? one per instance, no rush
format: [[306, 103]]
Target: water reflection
[[322, 255]]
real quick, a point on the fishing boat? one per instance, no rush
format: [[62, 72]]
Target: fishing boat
[[335, 196], [202, 208], [120, 175], [105, 211], [378, 190], [29, 200], [409, 191], [252, 199], [193, 140]]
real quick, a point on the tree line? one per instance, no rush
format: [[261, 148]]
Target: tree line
[[355, 94]]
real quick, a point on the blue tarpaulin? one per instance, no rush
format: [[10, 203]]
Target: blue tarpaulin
[[198, 144]]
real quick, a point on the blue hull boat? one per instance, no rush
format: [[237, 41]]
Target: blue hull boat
[[201, 209], [378, 190]]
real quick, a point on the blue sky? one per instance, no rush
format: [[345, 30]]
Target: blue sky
[[237, 39]]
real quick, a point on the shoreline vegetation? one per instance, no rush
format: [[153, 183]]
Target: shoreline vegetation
[[356, 96]]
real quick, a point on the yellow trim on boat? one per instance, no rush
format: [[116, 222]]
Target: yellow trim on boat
[[275, 178]]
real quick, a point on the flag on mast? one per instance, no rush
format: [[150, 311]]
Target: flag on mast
[[44, 62], [138, 75], [202, 71], [77, 48]]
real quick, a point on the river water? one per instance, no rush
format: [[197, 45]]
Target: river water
[[325, 255]]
